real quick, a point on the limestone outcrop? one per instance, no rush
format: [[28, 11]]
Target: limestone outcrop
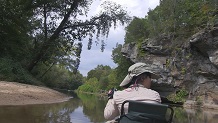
[[189, 63]]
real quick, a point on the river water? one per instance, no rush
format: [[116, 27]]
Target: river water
[[86, 108]]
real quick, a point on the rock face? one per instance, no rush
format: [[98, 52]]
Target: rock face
[[189, 63]]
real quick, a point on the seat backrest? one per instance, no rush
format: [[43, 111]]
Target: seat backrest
[[148, 110]]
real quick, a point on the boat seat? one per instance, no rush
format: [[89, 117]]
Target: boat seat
[[141, 112]]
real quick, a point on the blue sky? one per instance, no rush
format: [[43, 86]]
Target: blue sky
[[91, 58]]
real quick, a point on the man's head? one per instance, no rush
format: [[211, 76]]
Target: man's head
[[139, 72]]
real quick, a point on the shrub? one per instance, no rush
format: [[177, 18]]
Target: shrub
[[178, 96], [11, 70]]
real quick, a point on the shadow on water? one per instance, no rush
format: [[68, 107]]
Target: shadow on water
[[86, 108]]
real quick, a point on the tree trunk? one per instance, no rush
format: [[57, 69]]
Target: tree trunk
[[47, 70]]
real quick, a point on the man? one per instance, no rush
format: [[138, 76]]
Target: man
[[137, 84]]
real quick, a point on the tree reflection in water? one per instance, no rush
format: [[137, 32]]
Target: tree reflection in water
[[195, 115], [86, 108], [46, 113], [93, 107]]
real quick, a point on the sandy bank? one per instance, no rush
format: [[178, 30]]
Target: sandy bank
[[13, 93]]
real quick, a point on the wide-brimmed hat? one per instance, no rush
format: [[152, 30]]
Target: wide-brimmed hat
[[137, 69]]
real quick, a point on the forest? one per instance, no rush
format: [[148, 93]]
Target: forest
[[41, 40]]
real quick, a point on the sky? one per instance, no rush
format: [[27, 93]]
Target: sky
[[91, 58]]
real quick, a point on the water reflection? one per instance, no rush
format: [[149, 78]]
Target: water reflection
[[84, 108], [93, 107], [48, 113], [80, 109], [195, 116]]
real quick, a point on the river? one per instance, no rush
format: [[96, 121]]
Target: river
[[86, 108]]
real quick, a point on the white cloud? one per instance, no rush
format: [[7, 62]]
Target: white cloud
[[91, 58], [137, 8]]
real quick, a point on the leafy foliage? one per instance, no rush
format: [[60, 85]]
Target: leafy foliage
[[137, 30], [105, 78], [99, 71], [61, 19], [13, 71], [177, 18], [90, 86], [14, 26], [122, 63], [178, 96], [174, 18], [58, 77], [45, 38], [97, 79]]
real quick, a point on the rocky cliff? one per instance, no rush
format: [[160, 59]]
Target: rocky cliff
[[186, 63]]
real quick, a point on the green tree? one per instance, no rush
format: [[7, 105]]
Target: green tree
[[181, 18], [99, 72], [112, 79], [14, 26], [75, 80], [103, 82], [122, 62], [61, 19], [59, 77], [137, 30], [91, 85], [97, 79], [43, 34]]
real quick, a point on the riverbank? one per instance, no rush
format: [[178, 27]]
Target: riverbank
[[13, 93]]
